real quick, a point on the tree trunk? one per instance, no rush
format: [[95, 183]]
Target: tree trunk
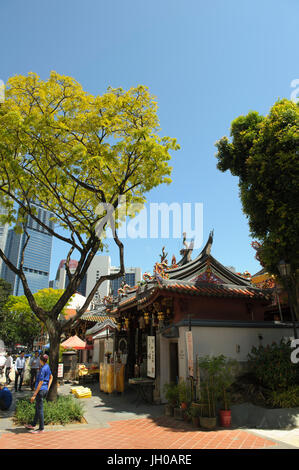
[[55, 335]]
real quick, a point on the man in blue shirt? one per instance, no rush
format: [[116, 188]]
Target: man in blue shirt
[[42, 385], [5, 398]]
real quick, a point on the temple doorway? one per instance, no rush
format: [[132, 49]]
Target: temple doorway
[[173, 362]]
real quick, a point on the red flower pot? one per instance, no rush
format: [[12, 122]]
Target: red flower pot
[[225, 418]]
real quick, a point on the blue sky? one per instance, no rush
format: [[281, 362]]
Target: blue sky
[[206, 62]]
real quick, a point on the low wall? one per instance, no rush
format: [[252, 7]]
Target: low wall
[[252, 416]]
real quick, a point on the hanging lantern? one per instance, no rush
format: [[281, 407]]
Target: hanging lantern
[[146, 318], [161, 316], [127, 322], [155, 321], [168, 311]]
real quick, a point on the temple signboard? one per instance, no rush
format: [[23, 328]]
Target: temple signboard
[[151, 357], [189, 343]]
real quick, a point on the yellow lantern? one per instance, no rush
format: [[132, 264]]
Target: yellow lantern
[[127, 322], [146, 318], [160, 316]]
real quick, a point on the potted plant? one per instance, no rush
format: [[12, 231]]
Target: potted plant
[[210, 368], [172, 397], [184, 394], [227, 378]]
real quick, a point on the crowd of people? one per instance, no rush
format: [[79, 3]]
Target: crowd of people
[[40, 383], [19, 366]]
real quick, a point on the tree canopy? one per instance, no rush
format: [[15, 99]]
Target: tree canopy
[[71, 152], [263, 153]]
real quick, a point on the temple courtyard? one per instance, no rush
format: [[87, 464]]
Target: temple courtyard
[[116, 422]]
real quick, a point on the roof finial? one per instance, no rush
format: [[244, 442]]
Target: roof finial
[[186, 252], [209, 243]]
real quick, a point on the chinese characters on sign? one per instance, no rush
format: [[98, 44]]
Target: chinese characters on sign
[[189, 342], [151, 356]]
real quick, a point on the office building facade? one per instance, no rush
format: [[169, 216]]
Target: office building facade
[[4, 228], [100, 266], [37, 256]]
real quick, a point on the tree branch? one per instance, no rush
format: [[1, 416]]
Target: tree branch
[[102, 279]]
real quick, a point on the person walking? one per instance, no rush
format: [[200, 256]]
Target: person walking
[[34, 368], [2, 363], [8, 367], [42, 386], [19, 370], [5, 398]]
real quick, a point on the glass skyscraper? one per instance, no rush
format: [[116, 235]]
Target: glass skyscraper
[[37, 256]]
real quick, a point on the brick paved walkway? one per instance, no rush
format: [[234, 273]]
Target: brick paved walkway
[[145, 433]]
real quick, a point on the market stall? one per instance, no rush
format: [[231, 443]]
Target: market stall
[[88, 372]]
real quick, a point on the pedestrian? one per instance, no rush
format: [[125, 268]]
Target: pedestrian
[[2, 363], [8, 367], [34, 368], [19, 370], [42, 386], [5, 398]]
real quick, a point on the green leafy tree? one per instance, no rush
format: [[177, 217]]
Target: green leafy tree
[[263, 153], [22, 320], [7, 333], [76, 155]]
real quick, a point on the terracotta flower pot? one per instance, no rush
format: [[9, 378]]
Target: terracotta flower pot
[[225, 418], [184, 406]]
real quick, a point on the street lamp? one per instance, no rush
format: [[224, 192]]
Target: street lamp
[[284, 268], [285, 272]]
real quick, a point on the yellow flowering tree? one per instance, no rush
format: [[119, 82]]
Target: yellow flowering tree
[[75, 155]]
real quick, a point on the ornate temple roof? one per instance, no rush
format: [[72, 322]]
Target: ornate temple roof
[[203, 276], [205, 262]]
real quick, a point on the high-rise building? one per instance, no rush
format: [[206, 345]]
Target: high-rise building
[[100, 266], [3, 238], [61, 281], [131, 278], [37, 256]]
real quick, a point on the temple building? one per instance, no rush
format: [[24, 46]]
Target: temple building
[[186, 310]]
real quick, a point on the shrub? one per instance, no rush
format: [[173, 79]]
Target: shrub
[[62, 411], [184, 391], [285, 398], [172, 394], [272, 366]]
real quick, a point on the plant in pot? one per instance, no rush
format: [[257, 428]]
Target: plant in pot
[[210, 368], [172, 396], [184, 395], [227, 377]]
